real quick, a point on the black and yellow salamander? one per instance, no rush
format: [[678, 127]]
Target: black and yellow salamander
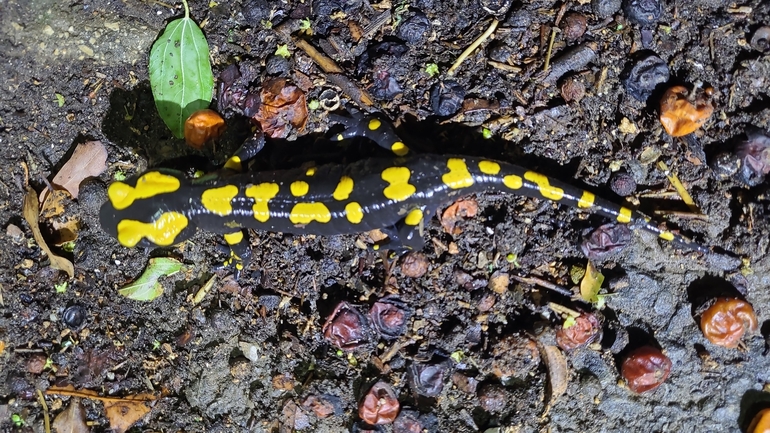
[[163, 207]]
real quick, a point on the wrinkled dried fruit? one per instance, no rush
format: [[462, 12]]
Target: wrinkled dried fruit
[[682, 113], [725, 322], [585, 330], [390, 316], [760, 423], [379, 405], [643, 12], [606, 239], [411, 421], [415, 28], [202, 127], [644, 76], [493, 398], [515, 357], [645, 369], [346, 328], [755, 156], [323, 405], [623, 183], [573, 25], [282, 106], [427, 379], [446, 98]]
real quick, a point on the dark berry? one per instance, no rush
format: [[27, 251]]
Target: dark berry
[[415, 28], [74, 316], [346, 328], [390, 316], [622, 183], [446, 98], [643, 12], [605, 8], [644, 76], [574, 26], [427, 379], [605, 240]]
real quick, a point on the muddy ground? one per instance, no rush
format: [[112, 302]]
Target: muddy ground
[[251, 355]]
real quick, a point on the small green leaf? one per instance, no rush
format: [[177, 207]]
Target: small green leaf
[[304, 24], [569, 322], [591, 284], [431, 69], [147, 287], [313, 104], [61, 287], [180, 73], [283, 51], [486, 133], [60, 99]]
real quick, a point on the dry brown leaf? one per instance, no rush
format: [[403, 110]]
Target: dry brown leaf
[[31, 212], [53, 203], [122, 412], [457, 211], [72, 419], [558, 373], [88, 160], [66, 231]]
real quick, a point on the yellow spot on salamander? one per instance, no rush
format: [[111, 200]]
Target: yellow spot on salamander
[[414, 217], [344, 188], [354, 212], [668, 236], [161, 232], [399, 189], [218, 200], [299, 188], [545, 188], [310, 172], [234, 238], [624, 215], [304, 213], [148, 185], [458, 175], [513, 181], [234, 163], [399, 148], [262, 194], [586, 200], [489, 167], [374, 124]]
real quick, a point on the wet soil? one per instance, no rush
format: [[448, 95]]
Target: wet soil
[[251, 356]]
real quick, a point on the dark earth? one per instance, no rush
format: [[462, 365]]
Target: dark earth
[[251, 354]]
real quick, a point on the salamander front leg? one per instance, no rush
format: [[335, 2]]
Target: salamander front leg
[[407, 234], [240, 253]]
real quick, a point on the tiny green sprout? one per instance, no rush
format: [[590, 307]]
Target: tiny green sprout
[[304, 24], [213, 4], [313, 104], [68, 246], [666, 29], [61, 287], [352, 360], [283, 51], [340, 352], [198, 173], [17, 420], [569, 322], [119, 176], [431, 69], [619, 27], [266, 24], [155, 345], [513, 259], [601, 301], [48, 364], [457, 356], [60, 99], [486, 133]]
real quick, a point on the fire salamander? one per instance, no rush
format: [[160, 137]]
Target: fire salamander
[[163, 207]]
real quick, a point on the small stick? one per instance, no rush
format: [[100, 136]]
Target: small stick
[[472, 47], [678, 187], [545, 284], [550, 48], [683, 215]]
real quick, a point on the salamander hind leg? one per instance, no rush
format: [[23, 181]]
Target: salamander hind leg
[[240, 253], [378, 130], [406, 235], [248, 150]]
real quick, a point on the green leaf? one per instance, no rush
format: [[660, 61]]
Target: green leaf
[[147, 287], [59, 99], [180, 73], [591, 284]]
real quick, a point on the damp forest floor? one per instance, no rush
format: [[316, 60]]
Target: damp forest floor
[[478, 350]]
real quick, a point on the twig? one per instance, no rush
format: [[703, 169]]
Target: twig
[[550, 48], [46, 419], [683, 215], [545, 284], [472, 47], [679, 187]]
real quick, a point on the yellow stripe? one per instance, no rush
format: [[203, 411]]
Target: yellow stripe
[[586, 200], [161, 232], [545, 188], [624, 215]]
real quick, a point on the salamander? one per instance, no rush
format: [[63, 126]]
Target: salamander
[[162, 207]]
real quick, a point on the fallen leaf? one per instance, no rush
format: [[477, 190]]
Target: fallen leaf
[[31, 212], [558, 373], [122, 412], [72, 419], [66, 231], [53, 203], [147, 287], [88, 160], [591, 284], [457, 211], [282, 105]]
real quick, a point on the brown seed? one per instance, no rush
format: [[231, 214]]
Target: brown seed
[[36, 363], [414, 265], [346, 328], [725, 322], [572, 90], [379, 405], [574, 26], [645, 369], [586, 330]]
